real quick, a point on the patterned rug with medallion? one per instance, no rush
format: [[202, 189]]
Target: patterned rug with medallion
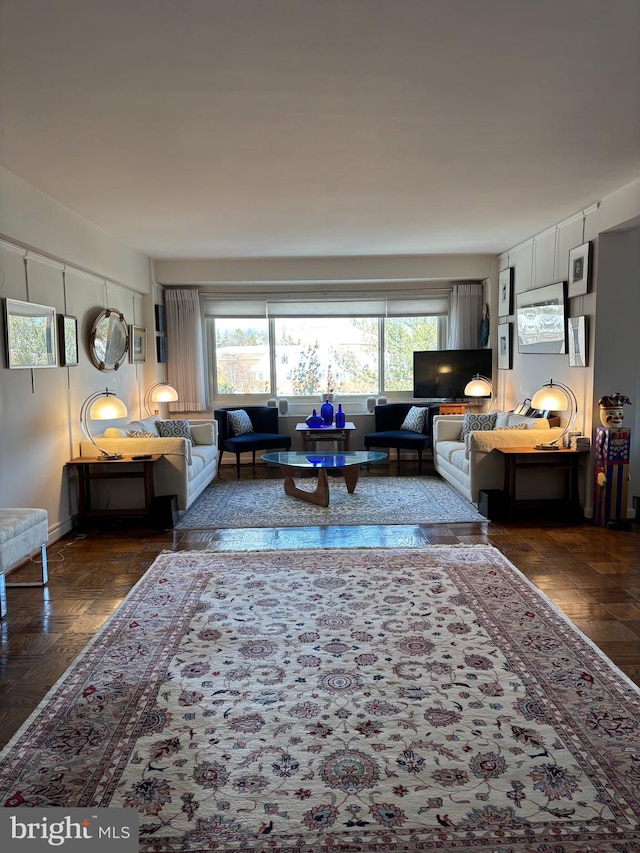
[[357, 700]]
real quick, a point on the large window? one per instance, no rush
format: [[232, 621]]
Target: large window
[[293, 356]]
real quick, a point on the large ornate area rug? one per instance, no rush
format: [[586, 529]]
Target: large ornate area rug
[[376, 500], [405, 700]]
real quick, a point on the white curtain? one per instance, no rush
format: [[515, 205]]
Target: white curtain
[[465, 313], [184, 342]]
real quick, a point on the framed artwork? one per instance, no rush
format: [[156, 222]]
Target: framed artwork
[[505, 352], [580, 269], [137, 344], [68, 337], [161, 349], [505, 292], [30, 334], [541, 319], [578, 338], [161, 319]]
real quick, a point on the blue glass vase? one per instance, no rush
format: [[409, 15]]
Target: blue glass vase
[[341, 418], [314, 420], [326, 412]]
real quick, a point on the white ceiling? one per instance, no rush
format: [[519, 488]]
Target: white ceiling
[[255, 128]]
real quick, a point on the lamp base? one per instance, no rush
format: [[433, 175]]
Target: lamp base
[[111, 455], [547, 447]]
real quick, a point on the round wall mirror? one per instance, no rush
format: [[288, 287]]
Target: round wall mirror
[[109, 340]]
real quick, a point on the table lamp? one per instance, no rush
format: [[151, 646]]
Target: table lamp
[[481, 386], [101, 406], [161, 393], [556, 397]]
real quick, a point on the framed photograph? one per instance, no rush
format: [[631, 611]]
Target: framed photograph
[[541, 319], [161, 349], [580, 269], [505, 338], [505, 292], [30, 334], [161, 319], [137, 344], [68, 337], [578, 338]]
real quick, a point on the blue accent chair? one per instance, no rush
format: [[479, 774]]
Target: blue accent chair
[[387, 433], [265, 436]]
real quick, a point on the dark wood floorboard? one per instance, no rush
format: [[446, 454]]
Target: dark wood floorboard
[[590, 573]]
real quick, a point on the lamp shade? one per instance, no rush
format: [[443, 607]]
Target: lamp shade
[[551, 398], [101, 406], [161, 393], [556, 397], [480, 386]]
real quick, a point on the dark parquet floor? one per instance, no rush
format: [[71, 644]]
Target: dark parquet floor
[[591, 574]]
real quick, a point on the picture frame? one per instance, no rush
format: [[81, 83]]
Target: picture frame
[[578, 340], [505, 346], [161, 319], [137, 344], [541, 319], [68, 339], [30, 335], [505, 292], [161, 349], [580, 264]]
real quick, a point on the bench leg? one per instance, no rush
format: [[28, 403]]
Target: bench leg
[[44, 576]]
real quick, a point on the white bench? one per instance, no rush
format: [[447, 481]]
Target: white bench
[[22, 533]]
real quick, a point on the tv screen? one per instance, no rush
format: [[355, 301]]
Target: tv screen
[[443, 374]]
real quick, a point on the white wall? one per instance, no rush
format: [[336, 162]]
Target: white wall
[[39, 409], [611, 307]]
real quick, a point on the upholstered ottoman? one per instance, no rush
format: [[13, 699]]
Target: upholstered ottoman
[[22, 533]]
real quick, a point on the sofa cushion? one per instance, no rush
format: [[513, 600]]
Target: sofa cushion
[[510, 426], [144, 425], [203, 433], [510, 418], [240, 422], [414, 419], [115, 432], [473, 422], [174, 429], [138, 433]]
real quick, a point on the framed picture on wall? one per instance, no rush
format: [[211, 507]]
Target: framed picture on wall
[[578, 338], [580, 269], [30, 334], [505, 343], [541, 319], [161, 319], [68, 337], [505, 292], [138, 344], [161, 349]]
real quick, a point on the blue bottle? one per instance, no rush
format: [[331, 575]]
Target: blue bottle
[[326, 411], [341, 418]]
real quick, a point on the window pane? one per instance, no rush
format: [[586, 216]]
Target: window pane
[[242, 356], [316, 355], [403, 335]]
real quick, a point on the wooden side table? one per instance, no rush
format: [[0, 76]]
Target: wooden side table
[[89, 468], [516, 458], [325, 433]]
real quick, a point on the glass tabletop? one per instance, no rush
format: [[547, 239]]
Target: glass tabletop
[[324, 460]]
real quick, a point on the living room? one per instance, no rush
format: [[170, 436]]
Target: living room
[[345, 178]]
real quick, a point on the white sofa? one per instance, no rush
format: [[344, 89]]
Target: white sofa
[[473, 463], [186, 468]]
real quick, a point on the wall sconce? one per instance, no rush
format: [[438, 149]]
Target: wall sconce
[[101, 406], [161, 393], [556, 397], [481, 386]]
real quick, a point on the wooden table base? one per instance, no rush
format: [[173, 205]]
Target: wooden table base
[[320, 496]]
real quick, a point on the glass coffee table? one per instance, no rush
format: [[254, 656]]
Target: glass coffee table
[[347, 464]]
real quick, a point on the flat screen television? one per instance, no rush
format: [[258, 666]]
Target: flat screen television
[[443, 374]]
